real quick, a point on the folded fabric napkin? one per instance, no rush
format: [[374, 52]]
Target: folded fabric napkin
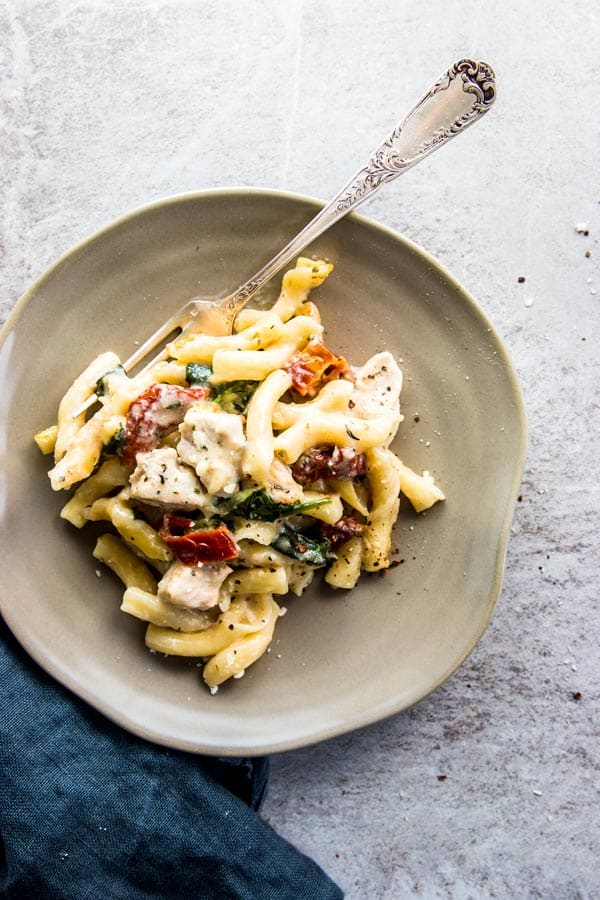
[[88, 810]]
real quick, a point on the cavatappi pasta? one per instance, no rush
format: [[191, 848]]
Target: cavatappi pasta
[[233, 469]]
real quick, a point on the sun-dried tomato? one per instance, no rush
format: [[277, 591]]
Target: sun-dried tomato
[[328, 461], [312, 367], [192, 545], [345, 528], [156, 412]]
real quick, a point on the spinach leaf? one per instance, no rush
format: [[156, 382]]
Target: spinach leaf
[[299, 546], [101, 385], [115, 443], [234, 396], [256, 504], [196, 373]]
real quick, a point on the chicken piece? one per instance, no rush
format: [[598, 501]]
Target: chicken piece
[[161, 479], [281, 485], [196, 587], [212, 442], [377, 387]]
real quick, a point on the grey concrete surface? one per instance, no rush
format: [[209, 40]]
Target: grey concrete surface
[[490, 787]]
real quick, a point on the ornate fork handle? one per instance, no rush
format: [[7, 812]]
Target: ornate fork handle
[[458, 99]]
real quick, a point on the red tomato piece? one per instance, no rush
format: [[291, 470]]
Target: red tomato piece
[[312, 367], [156, 412], [198, 545], [344, 529], [328, 461]]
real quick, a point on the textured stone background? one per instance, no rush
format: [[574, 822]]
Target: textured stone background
[[107, 105]]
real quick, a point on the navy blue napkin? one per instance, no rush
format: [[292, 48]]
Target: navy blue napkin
[[88, 810]]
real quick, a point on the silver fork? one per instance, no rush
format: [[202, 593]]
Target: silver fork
[[458, 99]]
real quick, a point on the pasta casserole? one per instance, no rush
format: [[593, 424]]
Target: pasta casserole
[[231, 470]]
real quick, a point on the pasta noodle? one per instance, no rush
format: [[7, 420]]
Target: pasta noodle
[[421, 490], [255, 365], [231, 471], [340, 429], [138, 534], [132, 571], [46, 439], [345, 571], [259, 453], [111, 474], [383, 474], [147, 606], [69, 422], [201, 348]]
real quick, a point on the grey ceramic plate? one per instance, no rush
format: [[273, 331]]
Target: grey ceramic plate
[[338, 660]]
